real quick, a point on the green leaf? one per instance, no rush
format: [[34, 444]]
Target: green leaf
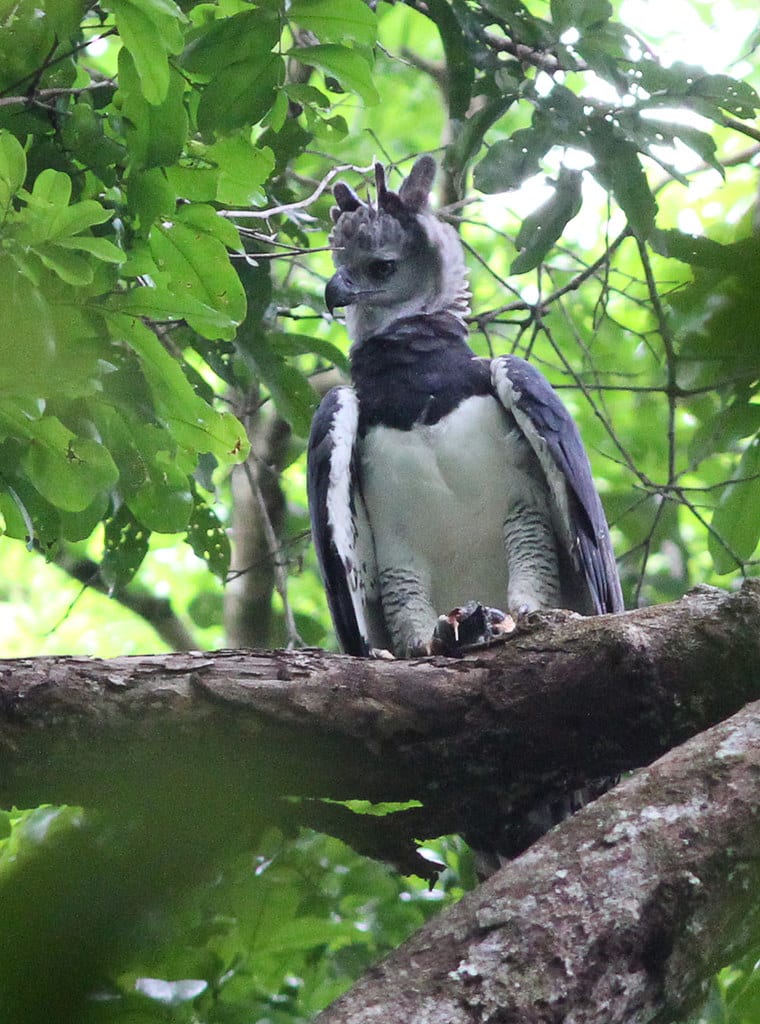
[[693, 249], [470, 132], [738, 98], [49, 215], [12, 168], [193, 422], [379, 810], [723, 432], [689, 82], [278, 112], [162, 305], [155, 133], [289, 344], [150, 30], [164, 503], [125, 547], [704, 145], [206, 220], [460, 68], [198, 265], [76, 526], [618, 169], [83, 132], [244, 38], [65, 16], [212, 431], [39, 828], [542, 228], [209, 539], [69, 471], [101, 248], [32, 343], [520, 23], [293, 395], [52, 188], [70, 267], [150, 196], [26, 42], [240, 94], [349, 67], [736, 520], [29, 516], [336, 20], [509, 162], [580, 14], [242, 170]]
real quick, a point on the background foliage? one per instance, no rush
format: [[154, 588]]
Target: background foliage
[[164, 173]]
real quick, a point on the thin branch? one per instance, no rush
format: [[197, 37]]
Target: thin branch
[[301, 204], [49, 63], [280, 576], [43, 94], [670, 355], [540, 59], [740, 126]]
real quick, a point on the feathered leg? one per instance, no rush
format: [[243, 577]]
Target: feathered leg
[[531, 551], [409, 616]]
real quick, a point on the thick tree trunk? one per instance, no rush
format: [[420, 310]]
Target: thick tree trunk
[[619, 915]]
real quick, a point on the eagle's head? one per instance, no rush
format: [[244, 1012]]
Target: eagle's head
[[394, 259]]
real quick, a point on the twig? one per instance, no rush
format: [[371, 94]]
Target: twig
[[540, 59], [280, 576], [44, 94], [301, 204]]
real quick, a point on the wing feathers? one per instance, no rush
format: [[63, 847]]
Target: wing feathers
[[554, 437], [339, 522]]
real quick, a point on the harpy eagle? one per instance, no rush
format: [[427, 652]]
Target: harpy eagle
[[439, 477]]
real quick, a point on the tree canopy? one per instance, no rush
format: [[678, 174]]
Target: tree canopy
[[165, 173]]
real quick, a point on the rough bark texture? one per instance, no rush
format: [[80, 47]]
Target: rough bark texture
[[616, 916], [477, 740], [619, 915]]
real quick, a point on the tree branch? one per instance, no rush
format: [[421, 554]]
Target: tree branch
[[620, 915], [617, 915], [478, 741], [156, 611]]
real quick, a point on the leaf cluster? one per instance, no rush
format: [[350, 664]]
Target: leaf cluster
[[126, 130]]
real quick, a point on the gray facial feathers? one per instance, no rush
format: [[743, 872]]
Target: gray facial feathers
[[394, 257]]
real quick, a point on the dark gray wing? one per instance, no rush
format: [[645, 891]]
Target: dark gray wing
[[554, 437], [339, 524]]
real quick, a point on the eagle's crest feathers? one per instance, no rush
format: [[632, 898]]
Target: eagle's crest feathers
[[394, 258]]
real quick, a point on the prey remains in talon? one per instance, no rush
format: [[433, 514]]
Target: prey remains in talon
[[469, 628]]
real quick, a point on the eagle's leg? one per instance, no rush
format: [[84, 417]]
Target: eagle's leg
[[532, 561], [409, 616]]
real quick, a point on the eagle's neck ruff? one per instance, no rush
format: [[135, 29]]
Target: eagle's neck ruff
[[450, 294], [453, 294]]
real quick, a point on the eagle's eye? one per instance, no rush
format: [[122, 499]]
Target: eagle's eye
[[381, 270]]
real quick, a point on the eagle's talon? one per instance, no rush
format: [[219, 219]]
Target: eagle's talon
[[421, 648], [470, 627]]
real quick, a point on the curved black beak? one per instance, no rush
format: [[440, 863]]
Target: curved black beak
[[340, 290]]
